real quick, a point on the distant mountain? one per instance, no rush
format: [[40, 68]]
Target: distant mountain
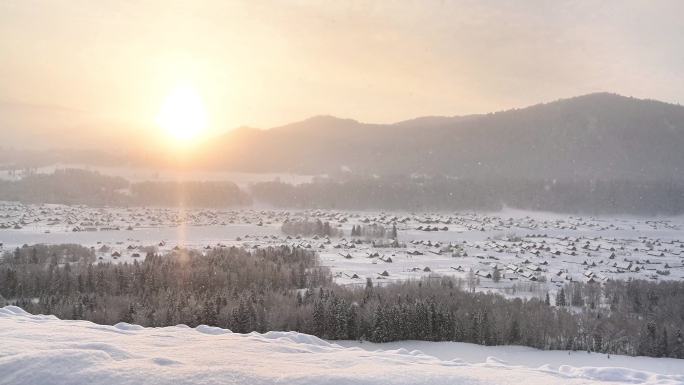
[[596, 136]]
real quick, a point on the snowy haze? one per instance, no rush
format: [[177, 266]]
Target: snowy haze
[[270, 62]]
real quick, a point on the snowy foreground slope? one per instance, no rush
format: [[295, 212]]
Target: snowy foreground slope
[[46, 350]]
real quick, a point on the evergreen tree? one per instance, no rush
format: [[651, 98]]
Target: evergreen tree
[[209, 314], [663, 345], [577, 297], [242, 316], [485, 329], [318, 318], [678, 345], [496, 274], [560, 298], [393, 234], [514, 332], [380, 331], [129, 316]]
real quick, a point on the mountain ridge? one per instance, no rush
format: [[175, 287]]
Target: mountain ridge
[[594, 136]]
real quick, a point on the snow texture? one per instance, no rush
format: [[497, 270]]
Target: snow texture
[[37, 349]]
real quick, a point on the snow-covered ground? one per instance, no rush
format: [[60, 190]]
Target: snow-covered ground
[[44, 350], [525, 356], [536, 252]]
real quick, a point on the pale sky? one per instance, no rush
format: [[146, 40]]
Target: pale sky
[[267, 63]]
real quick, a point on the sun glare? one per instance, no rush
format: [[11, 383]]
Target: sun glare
[[183, 115]]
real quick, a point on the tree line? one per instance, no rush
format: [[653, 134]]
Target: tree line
[[374, 230], [284, 288], [75, 186], [357, 192], [417, 193], [307, 227]]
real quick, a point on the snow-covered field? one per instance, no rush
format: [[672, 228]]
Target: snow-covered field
[[44, 350], [535, 252]]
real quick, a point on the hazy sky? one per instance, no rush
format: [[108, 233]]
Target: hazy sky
[[265, 63]]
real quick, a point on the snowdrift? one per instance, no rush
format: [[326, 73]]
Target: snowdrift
[[36, 349]]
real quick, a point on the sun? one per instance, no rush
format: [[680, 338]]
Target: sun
[[183, 115]]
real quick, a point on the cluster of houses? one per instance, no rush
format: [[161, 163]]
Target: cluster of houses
[[47, 217], [544, 250]]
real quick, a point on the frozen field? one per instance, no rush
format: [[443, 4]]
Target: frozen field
[[45, 350], [534, 252]]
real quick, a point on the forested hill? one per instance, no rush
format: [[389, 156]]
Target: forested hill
[[596, 136]]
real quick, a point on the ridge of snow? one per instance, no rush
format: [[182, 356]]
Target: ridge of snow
[[39, 349]]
